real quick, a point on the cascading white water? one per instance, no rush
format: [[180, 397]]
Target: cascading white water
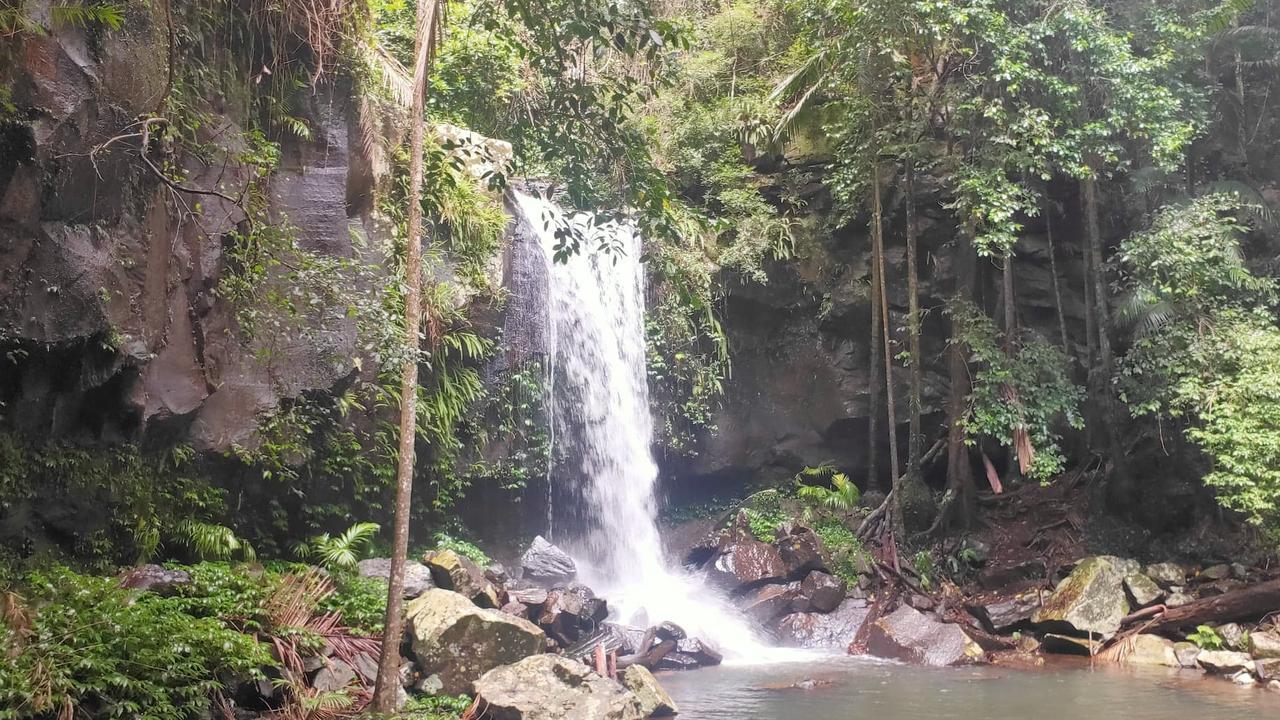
[[601, 416]]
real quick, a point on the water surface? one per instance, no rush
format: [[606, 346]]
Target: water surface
[[862, 688]]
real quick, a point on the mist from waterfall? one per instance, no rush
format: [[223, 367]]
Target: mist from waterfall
[[604, 430]]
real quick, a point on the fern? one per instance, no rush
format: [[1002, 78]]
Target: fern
[[214, 542], [341, 552], [110, 15]]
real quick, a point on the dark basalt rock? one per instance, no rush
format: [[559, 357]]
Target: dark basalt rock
[[452, 571], [834, 630], [668, 630], [547, 564], [800, 549], [1005, 616], [771, 601], [745, 562], [819, 592], [700, 650], [911, 636]]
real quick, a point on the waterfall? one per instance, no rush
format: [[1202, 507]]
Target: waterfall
[[603, 430]]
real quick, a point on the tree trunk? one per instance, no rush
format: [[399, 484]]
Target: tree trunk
[[388, 681], [959, 510], [1246, 603], [1119, 487], [1053, 274], [877, 237], [873, 369], [914, 437]]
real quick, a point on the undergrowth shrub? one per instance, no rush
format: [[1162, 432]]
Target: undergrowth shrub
[[79, 646]]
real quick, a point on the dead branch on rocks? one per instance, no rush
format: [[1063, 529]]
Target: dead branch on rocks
[[1243, 604]]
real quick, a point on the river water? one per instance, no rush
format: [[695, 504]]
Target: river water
[[867, 689]]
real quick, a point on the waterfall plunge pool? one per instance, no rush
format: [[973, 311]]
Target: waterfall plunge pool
[[864, 688]]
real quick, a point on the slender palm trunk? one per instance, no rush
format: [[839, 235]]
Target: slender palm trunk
[[873, 369], [914, 438], [1053, 274], [877, 239], [387, 685]]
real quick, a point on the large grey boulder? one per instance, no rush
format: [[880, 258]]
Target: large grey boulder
[[550, 687], [1148, 649], [545, 563], [834, 630], [453, 638], [417, 577], [654, 701], [1090, 601], [1264, 644], [820, 592], [1143, 591], [909, 635], [1007, 615], [1167, 574], [1225, 662]]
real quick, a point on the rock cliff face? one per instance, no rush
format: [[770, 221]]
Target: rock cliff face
[[800, 346], [108, 305]]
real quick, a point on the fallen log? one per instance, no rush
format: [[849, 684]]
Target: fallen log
[[1243, 604]]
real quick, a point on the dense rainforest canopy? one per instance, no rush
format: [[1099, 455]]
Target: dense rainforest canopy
[[1042, 237]]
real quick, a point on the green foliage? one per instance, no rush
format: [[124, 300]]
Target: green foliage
[[844, 551], [1206, 638], [1026, 388], [1204, 349], [843, 496], [234, 594], [362, 603], [764, 514], [925, 568], [78, 645], [465, 548], [340, 552], [435, 707], [141, 502]]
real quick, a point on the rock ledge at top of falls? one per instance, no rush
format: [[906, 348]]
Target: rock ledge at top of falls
[[459, 642], [549, 687], [1090, 601], [909, 635], [546, 564]]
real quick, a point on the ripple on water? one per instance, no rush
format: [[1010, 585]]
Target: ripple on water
[[863, 688]]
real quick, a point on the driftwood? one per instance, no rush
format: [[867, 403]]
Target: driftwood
[[1243, 604]]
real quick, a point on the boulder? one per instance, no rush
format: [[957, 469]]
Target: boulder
[[1007, 615], [654, 701], [1166, 574], [1125, 566], [744, 563], [834, 630], [1148, 649], [770, 601], [1178, 599], [458, 641], [1267, 668], [667, 630], [1214, 572], [452, 571], [1186, 653], [909, 635], [819, 592], [334, 676], [1224, 662], [1264, 644], [676, 660], [800, 549], [417, 577], [1143, 591], [704, 653], [549, 687], [1091, 600], [1233, 636], [155, 578], [547, 564]]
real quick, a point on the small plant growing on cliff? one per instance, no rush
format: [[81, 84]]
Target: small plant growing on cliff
[[465, 548], [843, 496], [341, 552]]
